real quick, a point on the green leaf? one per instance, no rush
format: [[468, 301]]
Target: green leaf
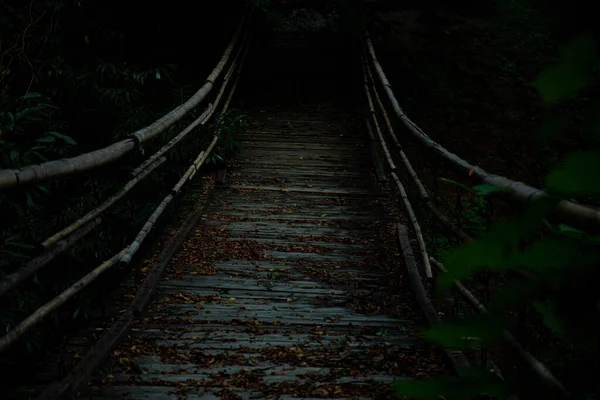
[[157, 74], [40, 156], [462, 185], [473, 383], [513, 293], [552, 127], [481, 330], [14, 154], [46, 139], [577, 175], [43, 188], [471, 257], [571, 74], [21, 245], [31, 95], [15, 254], [545, 254], [485, 189], [495, 249], [30, 202], [66, 138], [550, 314], [535, 212], [561, 81]]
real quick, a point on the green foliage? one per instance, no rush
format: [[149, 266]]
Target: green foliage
[[263, 5], [564, 259], [473, 383], [227, 127], [571, 74], [577, 175], [71, 82]]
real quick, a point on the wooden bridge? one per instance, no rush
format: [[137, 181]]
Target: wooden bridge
[[294, 275]]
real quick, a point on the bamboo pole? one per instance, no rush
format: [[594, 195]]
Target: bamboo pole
[[237, 78], [202, 119], [424, 195], [97, 158], [149, 132], [415, 223], [374, 153], [150, 164], [407, 164], [189, 174], [577, 215], [538, 367], [102, 207], [123, 256], [406, 202], [18, 331], [80, 373], [459, 361], [66, 166], [12, 280], [386, 151], [194, 168]]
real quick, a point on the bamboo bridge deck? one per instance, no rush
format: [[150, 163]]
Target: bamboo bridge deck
[[287, 287]]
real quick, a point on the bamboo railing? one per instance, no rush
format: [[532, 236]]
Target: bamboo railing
[[81, 372], [113, 152], [414, 276], [573, 214], [67, 237]]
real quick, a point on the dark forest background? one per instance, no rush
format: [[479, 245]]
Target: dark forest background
[[78, 75]]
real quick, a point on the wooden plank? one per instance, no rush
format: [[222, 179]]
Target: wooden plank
[[346, 191], [296, 317]]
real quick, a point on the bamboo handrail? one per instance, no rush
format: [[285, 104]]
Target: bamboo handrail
[[538, 367], [18, 331], [151, 163], [83, 162], [125, 255], [102, 207], [72, 233], [189, 174], [80, 373], [13, 279], [577, 215], [406, 202]]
